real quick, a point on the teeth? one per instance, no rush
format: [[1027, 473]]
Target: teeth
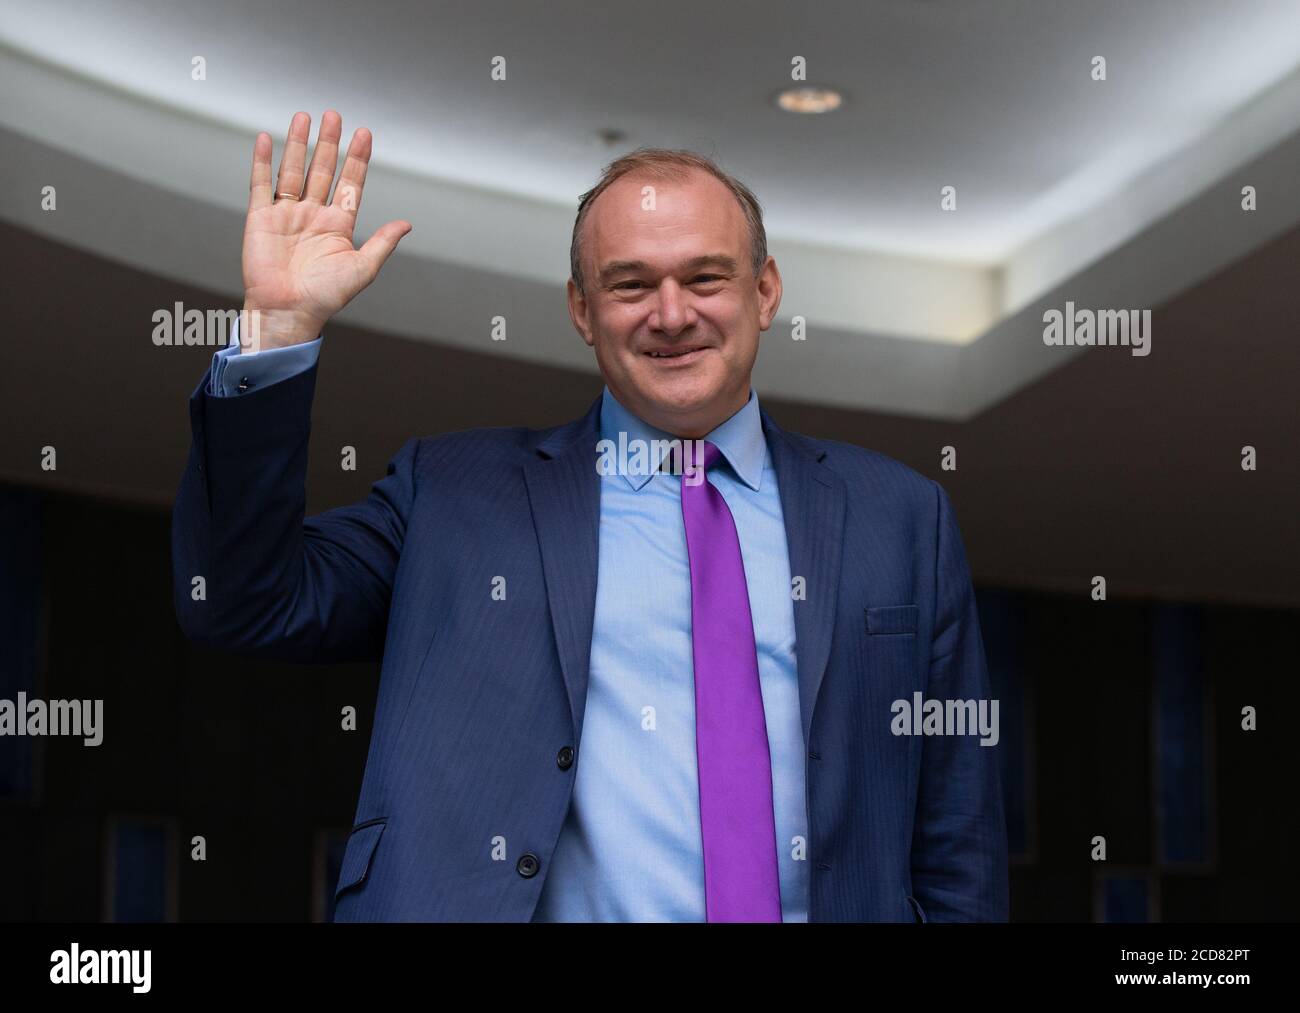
[[672, 355]]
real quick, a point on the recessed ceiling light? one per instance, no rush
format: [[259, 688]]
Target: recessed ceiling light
[[609, 136], [809, 99]]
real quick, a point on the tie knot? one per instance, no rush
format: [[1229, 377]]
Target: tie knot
[[700, 454]]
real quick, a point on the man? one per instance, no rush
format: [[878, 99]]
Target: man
[[641, 692]]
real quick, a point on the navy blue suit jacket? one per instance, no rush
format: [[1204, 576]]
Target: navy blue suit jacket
[[481, 701]]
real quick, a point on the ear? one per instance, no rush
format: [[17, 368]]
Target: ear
[[579, 313], [769, 294]]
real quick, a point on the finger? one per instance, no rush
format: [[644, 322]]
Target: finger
[[325, 159], [347, 195], [379, 247], [289, 180], [259, 182]]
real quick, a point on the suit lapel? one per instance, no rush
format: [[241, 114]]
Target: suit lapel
[[813, 502], [564, 496]]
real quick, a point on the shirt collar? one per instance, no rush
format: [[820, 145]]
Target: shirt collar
[[740, 439]]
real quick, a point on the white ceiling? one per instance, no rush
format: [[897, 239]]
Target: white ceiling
[[1054, 172]]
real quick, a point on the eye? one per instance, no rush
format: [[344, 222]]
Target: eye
[[626, 284], [706, 277]]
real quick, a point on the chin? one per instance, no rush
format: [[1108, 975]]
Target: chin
[[688, 394]]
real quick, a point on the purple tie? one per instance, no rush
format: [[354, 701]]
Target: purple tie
[[735, 767]]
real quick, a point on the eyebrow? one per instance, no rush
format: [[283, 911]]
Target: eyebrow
[[615, 267]]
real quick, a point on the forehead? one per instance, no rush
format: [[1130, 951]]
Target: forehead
[[698, 209]]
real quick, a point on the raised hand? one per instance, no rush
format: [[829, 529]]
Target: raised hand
[[300, 265]]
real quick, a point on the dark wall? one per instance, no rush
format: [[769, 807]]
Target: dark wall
[[249, 755]]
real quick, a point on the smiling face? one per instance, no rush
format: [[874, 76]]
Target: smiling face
[[672, 307]]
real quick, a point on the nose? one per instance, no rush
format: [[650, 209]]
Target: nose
[[673, 312]]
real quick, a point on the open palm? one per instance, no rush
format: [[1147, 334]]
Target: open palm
[[300, 264]]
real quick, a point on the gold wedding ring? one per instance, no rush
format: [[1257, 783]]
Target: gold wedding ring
[[289, 196]]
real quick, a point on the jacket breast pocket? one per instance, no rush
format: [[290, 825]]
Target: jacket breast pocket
[[358, 854], [891, 620]]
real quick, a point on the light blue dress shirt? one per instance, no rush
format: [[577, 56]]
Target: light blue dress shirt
[[232, 367], [631, 848]]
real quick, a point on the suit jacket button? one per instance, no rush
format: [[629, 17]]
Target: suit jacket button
[[564, 758], [528, 865]]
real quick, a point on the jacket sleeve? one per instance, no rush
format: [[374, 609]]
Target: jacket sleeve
[[251, 574], [959, 843]]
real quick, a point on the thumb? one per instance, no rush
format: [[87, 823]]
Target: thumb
[[379, 247]]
